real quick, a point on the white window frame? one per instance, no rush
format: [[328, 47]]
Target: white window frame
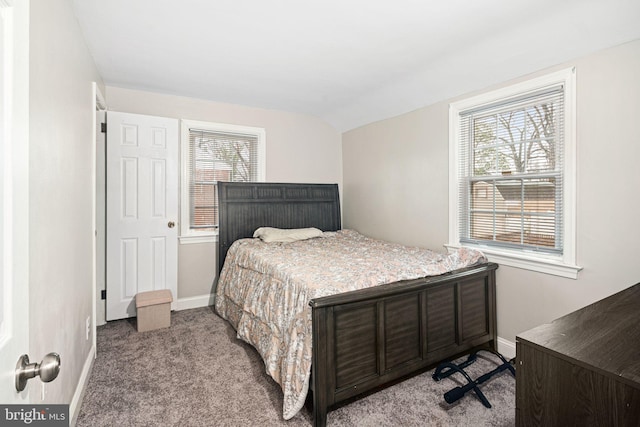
[[186, 234], [564, 264]]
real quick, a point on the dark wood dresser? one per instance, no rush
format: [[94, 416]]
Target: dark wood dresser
[[582, 369]]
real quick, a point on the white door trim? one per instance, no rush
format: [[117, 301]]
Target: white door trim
[[99, 104]]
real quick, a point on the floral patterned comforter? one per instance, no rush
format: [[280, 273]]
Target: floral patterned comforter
[[265, 288]]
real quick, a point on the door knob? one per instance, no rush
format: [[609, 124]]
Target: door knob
[[47, 369], [171, 224]]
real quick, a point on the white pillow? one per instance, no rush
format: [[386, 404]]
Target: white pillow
[[270, 234]]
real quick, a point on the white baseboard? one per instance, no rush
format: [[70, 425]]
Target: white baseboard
[[193, 302], [506, 348], [76, 402]]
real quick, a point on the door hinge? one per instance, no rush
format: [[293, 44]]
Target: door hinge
[[103, 294], [103, 127]]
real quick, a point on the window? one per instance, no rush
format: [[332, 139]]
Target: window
[[213, 152], [512, 174]]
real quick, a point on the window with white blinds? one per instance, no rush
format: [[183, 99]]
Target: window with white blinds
[[512, 161], [215, 152], [510, 174]]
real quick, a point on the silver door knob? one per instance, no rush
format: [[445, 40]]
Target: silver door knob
[[171, 224], [48, 369]]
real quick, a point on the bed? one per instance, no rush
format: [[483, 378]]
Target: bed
[[363, 339]]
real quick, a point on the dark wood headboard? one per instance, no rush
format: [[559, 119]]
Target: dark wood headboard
[[246, 206]]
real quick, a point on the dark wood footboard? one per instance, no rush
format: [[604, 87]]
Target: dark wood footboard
[[368, 338]]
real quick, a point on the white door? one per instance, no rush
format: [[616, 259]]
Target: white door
[[14, 205], [142, 209]]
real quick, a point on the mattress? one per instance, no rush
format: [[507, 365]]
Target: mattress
[[265, 288]]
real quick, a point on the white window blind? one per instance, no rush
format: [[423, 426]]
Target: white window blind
[[511, 172], [217, 156]]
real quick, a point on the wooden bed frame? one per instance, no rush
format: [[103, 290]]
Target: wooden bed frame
[[365, 339]]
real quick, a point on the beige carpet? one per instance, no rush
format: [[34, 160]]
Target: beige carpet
[[197, 373]]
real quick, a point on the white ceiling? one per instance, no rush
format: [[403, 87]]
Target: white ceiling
[[350, 62]]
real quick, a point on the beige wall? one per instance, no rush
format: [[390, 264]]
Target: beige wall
[[396, 187], [299, 148], [60, 194]]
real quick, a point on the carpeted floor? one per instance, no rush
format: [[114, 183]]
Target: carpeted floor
[[196, 373]]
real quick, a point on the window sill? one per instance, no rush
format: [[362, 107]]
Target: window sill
[[190, 239], [539, 263]]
